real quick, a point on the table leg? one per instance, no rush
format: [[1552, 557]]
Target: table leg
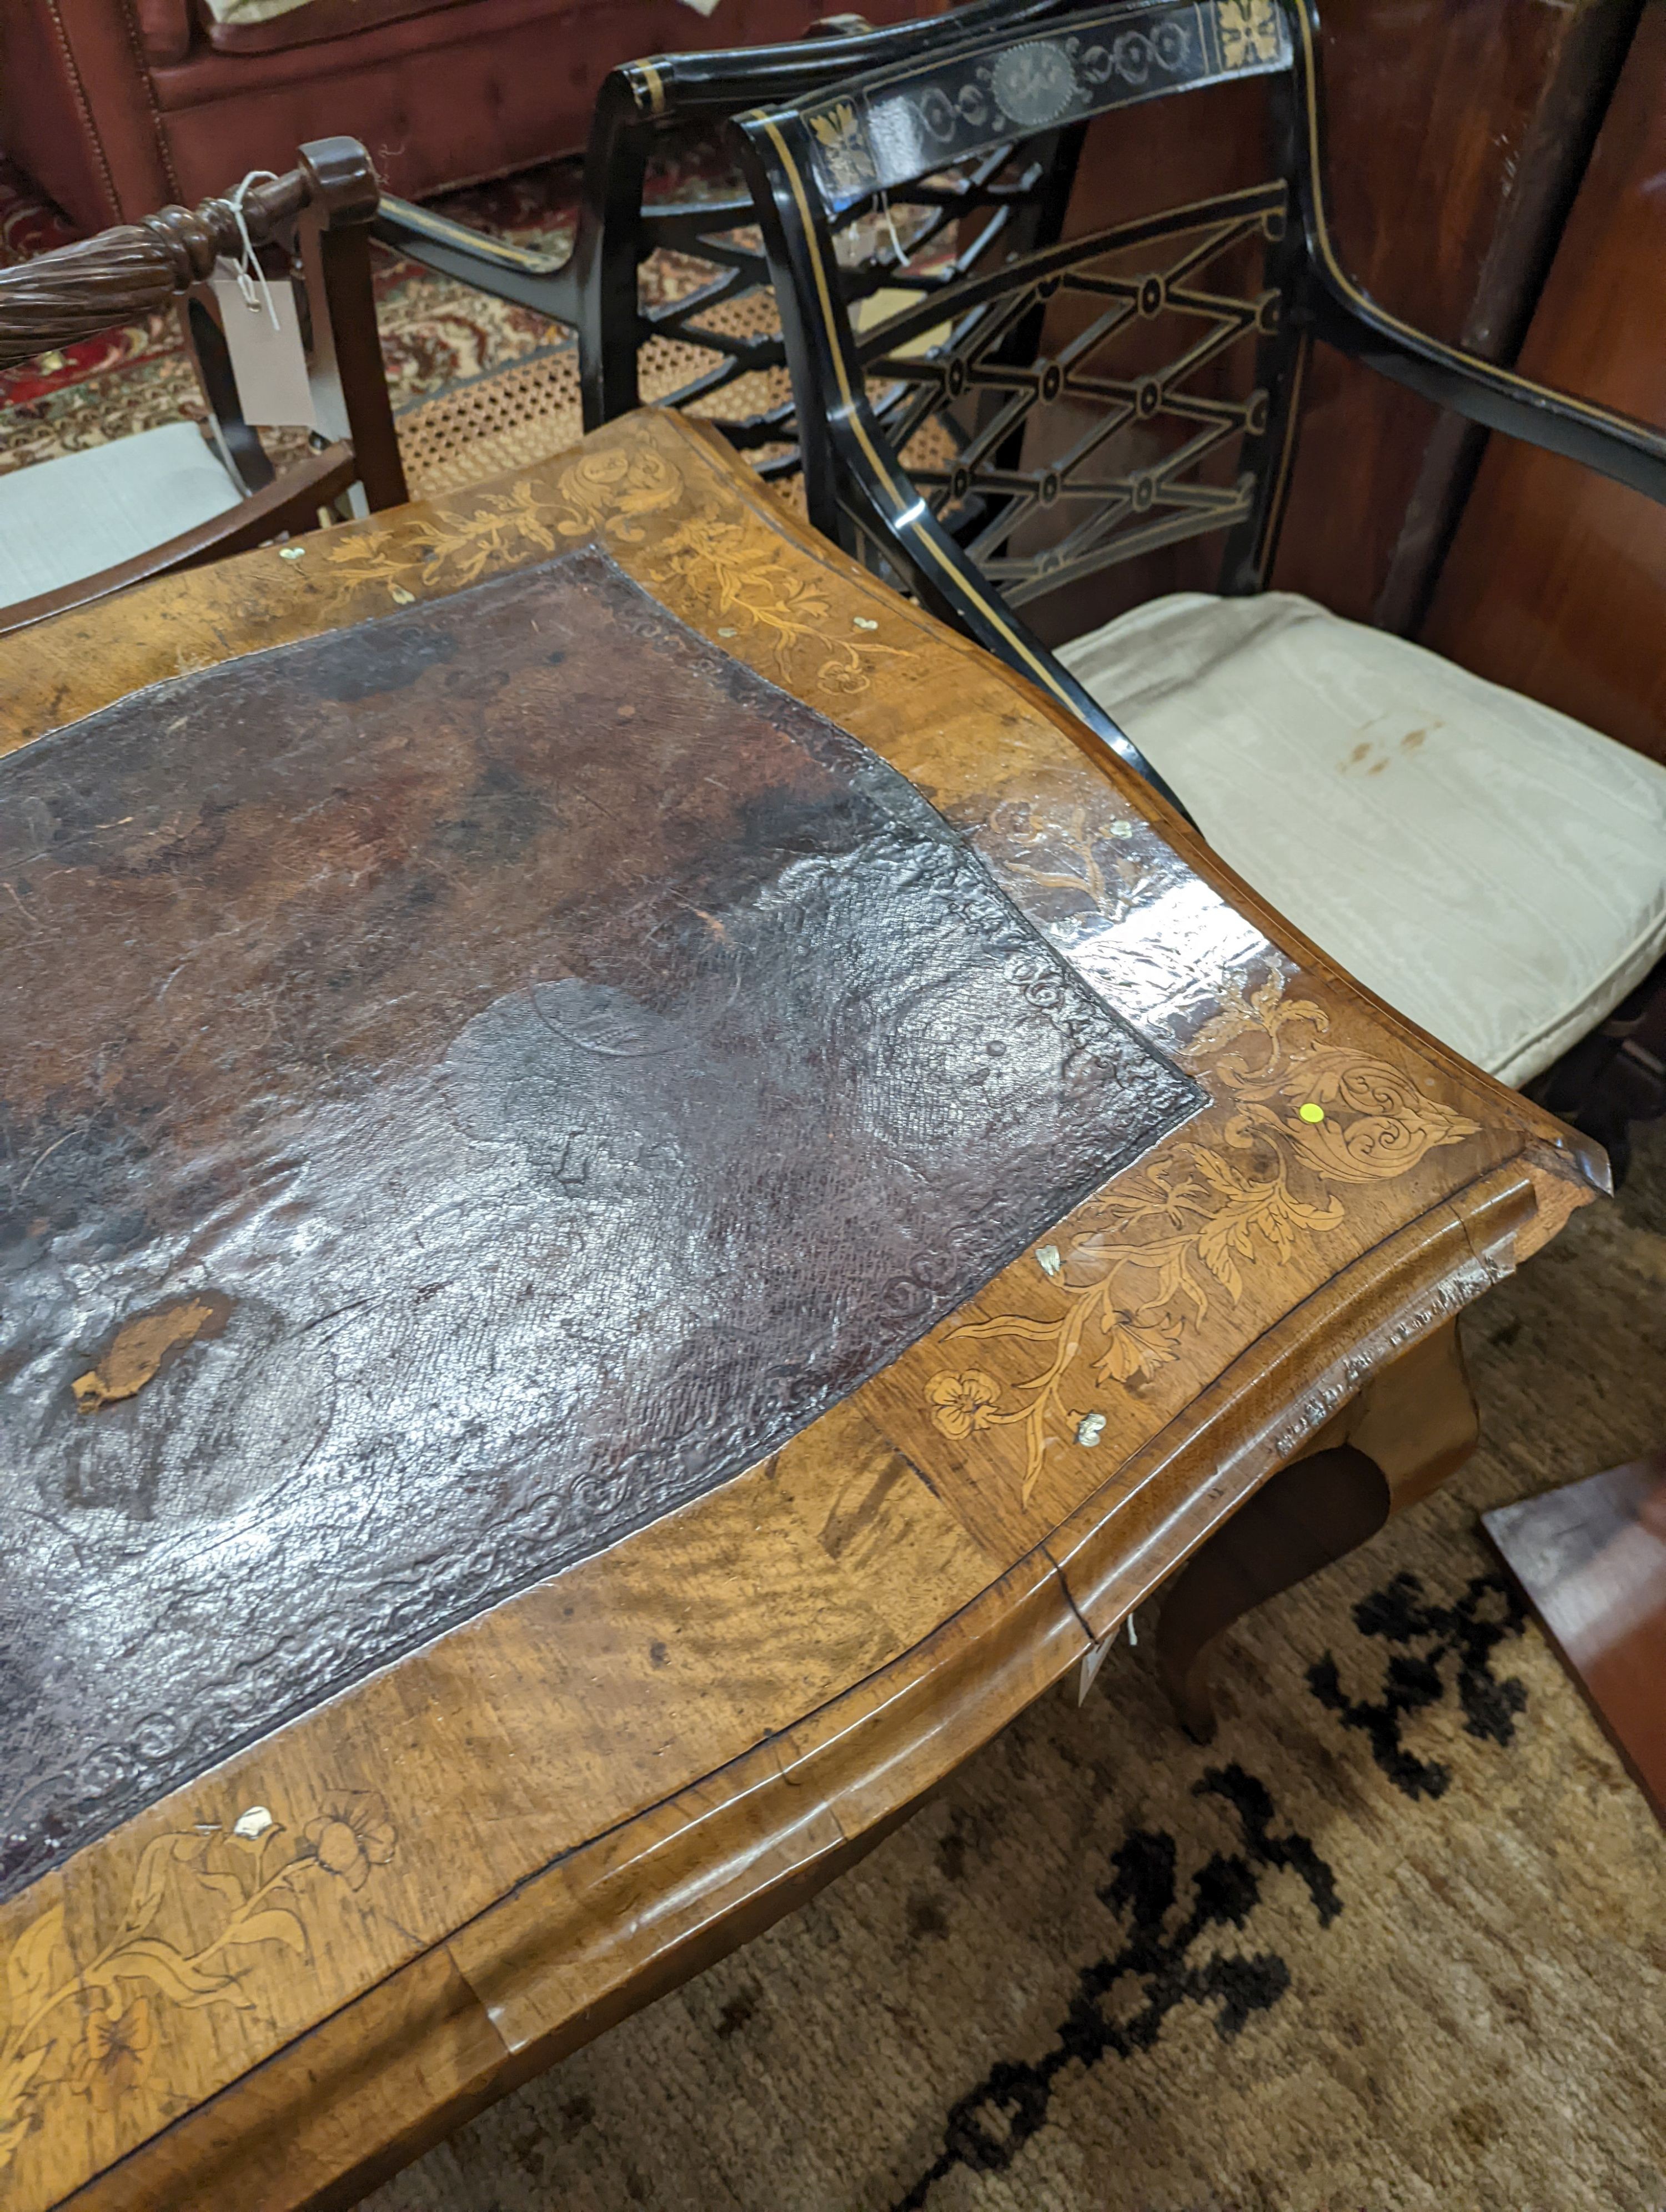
[[1411, 1425]]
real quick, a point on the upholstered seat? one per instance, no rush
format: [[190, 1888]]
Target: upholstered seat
[[67, 518], [1491, 867]]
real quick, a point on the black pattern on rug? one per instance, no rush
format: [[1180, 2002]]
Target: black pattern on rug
[[1422, 1637], [1123, 2001]]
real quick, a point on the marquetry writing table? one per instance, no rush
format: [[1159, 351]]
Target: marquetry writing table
[[638, 1199]]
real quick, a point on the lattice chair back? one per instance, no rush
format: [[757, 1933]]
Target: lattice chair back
[[698, 330], [714, 342], [1053, 404], [1107, 393]]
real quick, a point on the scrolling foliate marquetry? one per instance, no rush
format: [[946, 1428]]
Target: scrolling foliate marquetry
[[720, 566], [209, 1908], [1306, 1120], [724, 567], [827, 1605], [612, 489]]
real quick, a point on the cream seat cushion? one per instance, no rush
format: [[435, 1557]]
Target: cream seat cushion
[[67, 518], [1492, 868]]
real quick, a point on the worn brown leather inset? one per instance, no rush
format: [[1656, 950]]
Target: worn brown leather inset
[[471, 1084]]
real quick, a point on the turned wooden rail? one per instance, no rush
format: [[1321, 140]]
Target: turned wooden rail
[[320, 216], [137, 269]]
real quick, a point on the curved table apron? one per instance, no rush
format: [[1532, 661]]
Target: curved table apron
[[640, 1200]]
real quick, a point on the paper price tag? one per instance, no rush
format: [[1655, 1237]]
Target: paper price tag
[[268, 361]]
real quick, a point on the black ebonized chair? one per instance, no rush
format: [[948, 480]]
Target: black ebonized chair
[[1494, 869], [721, 336]]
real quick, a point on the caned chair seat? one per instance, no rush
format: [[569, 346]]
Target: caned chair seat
[[67, 518], [1493, 868]]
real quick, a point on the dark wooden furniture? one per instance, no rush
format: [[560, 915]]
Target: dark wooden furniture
[[727, 331], [1552, 581], [1459, 135], [315, 220], [1018, 456], [723, 335], [1466, 132], [811, 160], [416, 1016], [1590, 1559], [718, 350], [1616, 1076]]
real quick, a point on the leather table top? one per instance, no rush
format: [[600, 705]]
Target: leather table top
[[491, 1076]]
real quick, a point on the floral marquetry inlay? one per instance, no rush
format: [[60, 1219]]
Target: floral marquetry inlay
[[1157, 1251], [224, 1952], [1249, 32], [207, 1906], [724, 567]]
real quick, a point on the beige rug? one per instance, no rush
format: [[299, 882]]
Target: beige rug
[[1395, 1943]]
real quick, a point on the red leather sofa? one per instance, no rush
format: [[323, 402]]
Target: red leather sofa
[[114, 107]]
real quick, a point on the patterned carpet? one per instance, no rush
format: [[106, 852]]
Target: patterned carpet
[[1396, 1942], [507, 377]]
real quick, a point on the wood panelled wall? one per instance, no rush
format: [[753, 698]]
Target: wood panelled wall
[[1459, 131], [1556, 579]]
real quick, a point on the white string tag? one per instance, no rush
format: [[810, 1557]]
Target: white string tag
[[268, 361], [262, 332]]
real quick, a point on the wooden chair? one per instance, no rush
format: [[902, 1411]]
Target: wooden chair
[[717, 349], [86, 523], [1492, 868]]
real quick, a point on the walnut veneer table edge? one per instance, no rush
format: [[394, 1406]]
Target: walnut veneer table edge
[[603, 1926]]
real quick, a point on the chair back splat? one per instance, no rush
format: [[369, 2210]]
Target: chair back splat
[[725, 329], [715, 349], [1050, 405], [1040, 406]]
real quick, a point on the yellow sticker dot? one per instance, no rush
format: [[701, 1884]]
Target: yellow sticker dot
[[1311, 1112]]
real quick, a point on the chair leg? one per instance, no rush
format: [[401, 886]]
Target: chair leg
[[1413, 1424], [1417, 1418]]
